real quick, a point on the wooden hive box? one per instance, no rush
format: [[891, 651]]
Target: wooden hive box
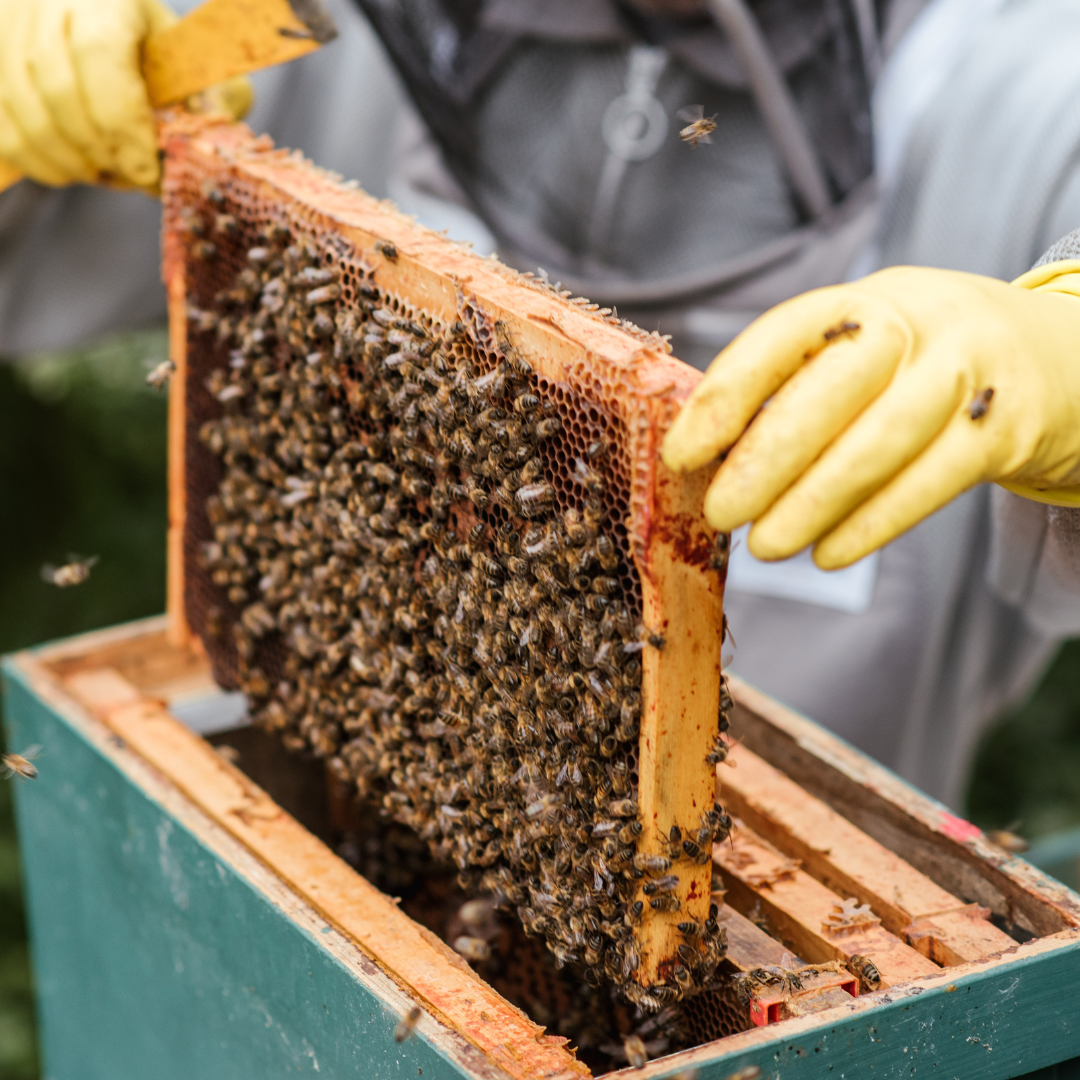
[[184, 924]]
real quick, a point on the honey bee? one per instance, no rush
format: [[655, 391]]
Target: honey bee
[[747, 1072], [846, 328], [652, 864], [665, 903], [668, 883], [406, 1026], [1005, 838], [20, 765], [866, 970], [74, 572], [546, 807], [699, 127], [980, 403], [635, 1051], [388, 250], [159, 376]]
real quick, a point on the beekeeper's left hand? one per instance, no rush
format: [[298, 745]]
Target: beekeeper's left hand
[[883, 400]]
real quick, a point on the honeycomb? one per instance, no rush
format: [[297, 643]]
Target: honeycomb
[[418, 548]]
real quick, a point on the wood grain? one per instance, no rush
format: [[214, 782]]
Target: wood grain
[[846, 860], [681, 702], [413, 956], [217, 41], [950, 851], [761, 880]]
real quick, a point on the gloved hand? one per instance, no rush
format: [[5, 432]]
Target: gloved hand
[[883, 400], [73, 105]]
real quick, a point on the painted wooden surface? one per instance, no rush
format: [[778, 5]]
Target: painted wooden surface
[[924, 832], [162, 949], [842, 857], [797, 908], [409, 953]]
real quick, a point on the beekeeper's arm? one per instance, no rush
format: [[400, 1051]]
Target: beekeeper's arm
[[79, 260], [850, 413], [73, 104]]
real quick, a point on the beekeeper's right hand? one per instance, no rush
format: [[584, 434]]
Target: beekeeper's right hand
[[73, 104]]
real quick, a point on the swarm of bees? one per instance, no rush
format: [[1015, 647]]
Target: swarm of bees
[[74, 572], [423, 576]]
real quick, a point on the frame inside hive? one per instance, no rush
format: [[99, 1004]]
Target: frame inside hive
[[613, 371], [877, 839]]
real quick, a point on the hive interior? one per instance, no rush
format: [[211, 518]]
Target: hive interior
[[416, 555]]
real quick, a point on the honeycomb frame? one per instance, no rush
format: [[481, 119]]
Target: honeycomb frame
[[625, 374]]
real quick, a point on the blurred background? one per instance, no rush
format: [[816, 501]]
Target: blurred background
[[82, 471]]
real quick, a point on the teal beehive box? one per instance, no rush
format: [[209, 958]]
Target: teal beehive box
[[185, 925]]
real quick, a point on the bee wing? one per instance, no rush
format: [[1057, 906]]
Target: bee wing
[[32, 752], [691, 113], [92, 561], [705, 138], [47, 572]]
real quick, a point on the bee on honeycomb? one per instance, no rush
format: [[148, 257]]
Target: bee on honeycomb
[[421, 575]]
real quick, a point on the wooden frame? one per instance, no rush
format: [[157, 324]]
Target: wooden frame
[[1014, 1000], [626, 373]]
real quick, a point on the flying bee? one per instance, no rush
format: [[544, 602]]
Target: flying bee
[[407, 1024], [1008, 839], [74, 572], [20, 765], [160, 374], [699, 127], [635, 1051], [866, 970], [472, 948]]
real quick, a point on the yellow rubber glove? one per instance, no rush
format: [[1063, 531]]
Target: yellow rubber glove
[[73, 105], [883, 400]]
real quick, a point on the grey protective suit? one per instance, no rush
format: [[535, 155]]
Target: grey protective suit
[[911, 654]]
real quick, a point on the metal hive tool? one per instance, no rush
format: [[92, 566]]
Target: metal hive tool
[[417, 513]]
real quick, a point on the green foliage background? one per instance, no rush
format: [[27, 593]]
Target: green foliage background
[[82, 469]]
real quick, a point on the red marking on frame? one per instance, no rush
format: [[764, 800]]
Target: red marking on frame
[[958, 829]]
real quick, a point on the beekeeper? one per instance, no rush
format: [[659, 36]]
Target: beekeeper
[[550, 133]]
